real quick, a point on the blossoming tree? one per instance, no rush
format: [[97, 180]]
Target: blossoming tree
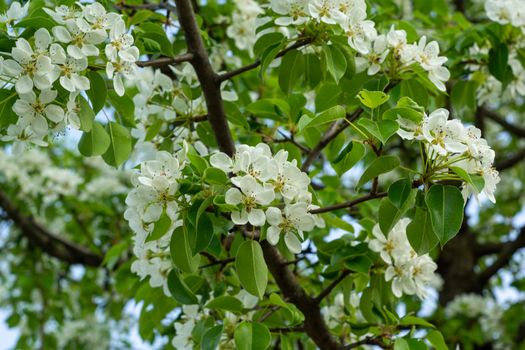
[[287, 174]]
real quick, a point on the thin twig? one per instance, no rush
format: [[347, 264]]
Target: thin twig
[[164, 61], [349, 204], [325, 292], [228, 75]]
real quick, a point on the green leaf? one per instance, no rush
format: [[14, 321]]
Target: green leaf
[[476, 181], [403, 112], [215, 176], [445, 204], [327, 116], [252, 336], [210, 338], [120, 145], [335, 61], [94, 142], [140, 17], [265, 41], [160, 227], [413, 89], [86, 115], [225, 302], [401, 344], [382, 130], [379, 166], [410, 320], [7, 116], [203, 234], [97, 92], [343, 152], [498, 61], [251, 268], [268, 56], [327, 96], [399, 191], [312, 71], [388, 215], [179, 290], [436, 339], [420, 233], [198, 162], [372, 99], [155, 31], [180, 250], [124, 106], [113, 254], [350, 159], [463, 97], [266, 108], [291, 70]]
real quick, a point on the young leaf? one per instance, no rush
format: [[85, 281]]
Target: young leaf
[[476, 181], [251, 268], [372, 99], [445, 204]]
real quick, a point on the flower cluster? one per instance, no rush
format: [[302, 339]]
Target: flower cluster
[[410, 273], [490, 89], [243, 25], [483, 309], [193, 314], [269, 189], [506, 12], [448, 143], [39, 64], [37, 176], [373, 49], [156, 186]]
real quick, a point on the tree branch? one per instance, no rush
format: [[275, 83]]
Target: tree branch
[[210, 84], [366, 341], [502, 260], [511, 160], [314, 324], [335, 129], [50, 243], [513, 129], [228, 75], [331, 286]]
